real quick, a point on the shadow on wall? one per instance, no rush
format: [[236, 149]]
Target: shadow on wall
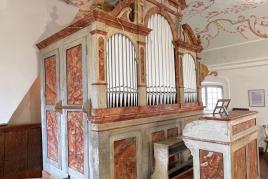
[[28, 110], [52, 25]]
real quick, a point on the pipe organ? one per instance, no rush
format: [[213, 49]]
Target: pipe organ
[[118, 79]]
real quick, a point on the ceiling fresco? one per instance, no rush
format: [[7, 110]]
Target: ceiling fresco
[[225, 22], [218, 22]]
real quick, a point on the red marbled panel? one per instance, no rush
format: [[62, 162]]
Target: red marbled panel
[[211, 165], [74, 75], [125, 165], [75, 141], [172, 133], [243, 126], [52, 135], [156, 137], [252, 159], [142, 54], [50, 80], [101, 59], [239, 163]]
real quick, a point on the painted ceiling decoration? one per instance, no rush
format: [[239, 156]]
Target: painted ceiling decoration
[[219, 23], [226, 22]]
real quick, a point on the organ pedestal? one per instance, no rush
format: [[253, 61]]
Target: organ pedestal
[[224, 146], [125, 63]]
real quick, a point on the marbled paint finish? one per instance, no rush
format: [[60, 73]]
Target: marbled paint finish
[[172, 133], [125, 164], [50, 80], [101, 59], [253, 160], [75, 141], [239, 167], [142, 59], [211, 165], [74, 75], [52, 135], [243, 126], [156, 137]]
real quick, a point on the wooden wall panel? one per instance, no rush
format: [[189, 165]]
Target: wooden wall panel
[[74, 75], [2, 150], [20, 151], [211, 165], [34, 148], [75, 141], [239, 159], [252, 159], [125, 160]]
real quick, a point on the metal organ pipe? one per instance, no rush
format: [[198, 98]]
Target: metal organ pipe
[[121, 72], [160, 68], [189, 79]]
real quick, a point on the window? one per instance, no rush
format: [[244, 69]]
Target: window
[[189, 78], [122, 90], [160, 62], [210, 96]]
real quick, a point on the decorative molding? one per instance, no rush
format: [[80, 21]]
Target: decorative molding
[[157, 10], [107, 115], [97, 31], [95, 15], [239, 64], [161, 6]]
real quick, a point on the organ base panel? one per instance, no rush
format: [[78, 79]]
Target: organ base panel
[[224, 146]]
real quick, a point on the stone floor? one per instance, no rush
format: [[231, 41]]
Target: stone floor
[[263, 168]]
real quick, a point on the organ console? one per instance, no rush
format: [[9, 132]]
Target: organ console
[[114, 82]]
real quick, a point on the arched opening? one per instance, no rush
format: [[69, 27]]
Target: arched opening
[[160, 62], [122, 90], [189, 78]]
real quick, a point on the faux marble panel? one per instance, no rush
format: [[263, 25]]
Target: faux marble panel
[[75, 141], [125, 164], [52, 135], [74, 75], [101, 59], [252, 159], [50, 80], [172, 133], [142, 54], [243, 126], [156, 137], [239, 159], [211, 165]]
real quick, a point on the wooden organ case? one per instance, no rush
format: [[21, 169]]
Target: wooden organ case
[[114, 82]]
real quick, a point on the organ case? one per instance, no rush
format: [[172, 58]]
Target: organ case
[[112, 85]]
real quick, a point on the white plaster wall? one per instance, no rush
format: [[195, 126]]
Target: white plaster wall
[[23, 23], [243, 67]]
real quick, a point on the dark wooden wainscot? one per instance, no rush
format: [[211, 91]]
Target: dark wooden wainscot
[[20, 151]]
